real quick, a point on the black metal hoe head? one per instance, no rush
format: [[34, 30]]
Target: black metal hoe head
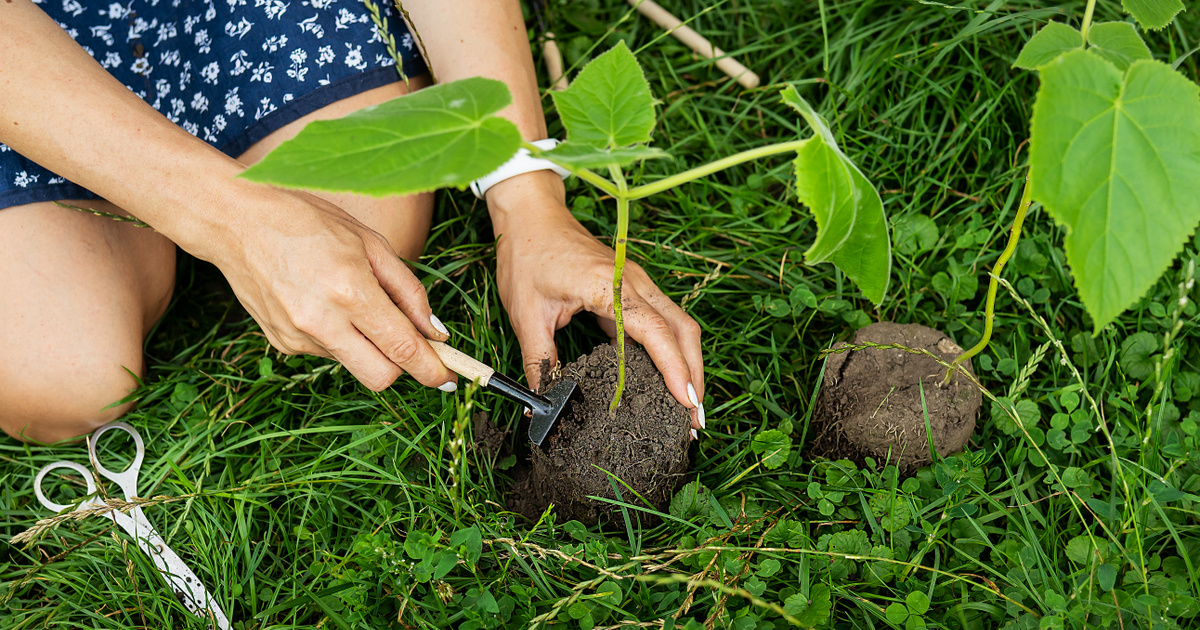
[[557, 404]]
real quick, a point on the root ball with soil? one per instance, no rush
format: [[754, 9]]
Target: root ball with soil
[[642, 451], [870, 403]]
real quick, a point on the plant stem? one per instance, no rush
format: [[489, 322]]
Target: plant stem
[[622, 198], [666, 183], [990, 311], [583, 173], [1087, 20]]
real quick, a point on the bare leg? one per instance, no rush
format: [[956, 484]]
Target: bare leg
[[78, 293]]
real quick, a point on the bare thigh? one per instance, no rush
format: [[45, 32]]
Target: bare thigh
[[79, 293], [404, 221]]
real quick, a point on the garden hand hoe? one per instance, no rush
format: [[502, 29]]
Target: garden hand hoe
[[546, 409]]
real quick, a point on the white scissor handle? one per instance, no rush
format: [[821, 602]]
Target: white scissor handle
[[126, 479], [37, 483]]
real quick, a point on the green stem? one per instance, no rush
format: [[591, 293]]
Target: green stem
[[990, 311], [1087, 20], [667, 183], [622, 198]]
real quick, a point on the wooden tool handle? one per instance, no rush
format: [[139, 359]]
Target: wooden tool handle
[[554, 63], [462, 364], [696, 42]]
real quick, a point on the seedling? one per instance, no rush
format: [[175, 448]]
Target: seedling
[[449, 135], [1114, 157]]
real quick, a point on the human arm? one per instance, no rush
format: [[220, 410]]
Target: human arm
[[549, 267], [318, 281]]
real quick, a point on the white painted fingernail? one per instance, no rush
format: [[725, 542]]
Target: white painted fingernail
[[448, 386], [700, 415], [695, 436], [692, 396], [528, 411], [437, 323]]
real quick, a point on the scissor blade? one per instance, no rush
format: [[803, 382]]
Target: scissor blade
[[183, 582]]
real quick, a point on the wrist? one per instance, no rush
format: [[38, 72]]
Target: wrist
[[526, 197]]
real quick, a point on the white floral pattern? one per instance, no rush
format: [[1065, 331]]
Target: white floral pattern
[[217, 67]]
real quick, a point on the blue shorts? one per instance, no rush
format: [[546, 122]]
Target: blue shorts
[[228, 71]]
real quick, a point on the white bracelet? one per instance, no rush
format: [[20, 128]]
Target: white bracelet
[[519, 164]]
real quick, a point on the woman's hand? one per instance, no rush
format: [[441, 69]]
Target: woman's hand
[[549, 268], [321, 283]]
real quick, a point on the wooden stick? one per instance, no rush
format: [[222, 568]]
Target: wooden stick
[[554, 63], [696, 42]]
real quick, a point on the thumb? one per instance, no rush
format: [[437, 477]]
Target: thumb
[[537, 351]]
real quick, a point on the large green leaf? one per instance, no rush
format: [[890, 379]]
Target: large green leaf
[[1116, 159], [608, 104], [1153, 14], [1053, 40], [1118, 42], [852, 231], [445, 135], [574, 155]]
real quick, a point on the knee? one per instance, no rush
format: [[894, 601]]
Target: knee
[[67, 398]]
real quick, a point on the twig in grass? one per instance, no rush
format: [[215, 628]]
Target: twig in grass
[[122, 218]]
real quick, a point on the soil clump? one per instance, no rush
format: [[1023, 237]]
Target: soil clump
[[870, 402], [644, 449]]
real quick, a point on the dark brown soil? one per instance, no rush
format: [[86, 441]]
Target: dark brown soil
[[870, 403], [645, 448]]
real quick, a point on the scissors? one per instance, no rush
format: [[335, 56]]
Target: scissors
[[187, 587]]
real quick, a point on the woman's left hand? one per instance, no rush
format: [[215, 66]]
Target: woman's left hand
[[549, 268]]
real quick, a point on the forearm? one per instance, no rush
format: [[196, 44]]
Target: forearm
[[483, 38], [470, 38], [59, 108]]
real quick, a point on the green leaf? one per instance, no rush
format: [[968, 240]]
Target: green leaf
[[1137, 354], [1116, 159], [817, 608], [691, 500], [768, 567], [917, 602], [896, 613], [446, 561], [1153, 14], [852, 230], [609, 104], [1165, 493], [469, 543], [1118, 42], [576, 155], [1076, 477], [1079, 549], [444, 135], [774, 447], [1047, 45], [914, 234], [1106, 576], [893, 512]]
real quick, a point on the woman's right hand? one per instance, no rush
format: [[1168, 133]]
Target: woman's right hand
[[319, 282]]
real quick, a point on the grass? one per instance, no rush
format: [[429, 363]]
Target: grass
[[302, 499]]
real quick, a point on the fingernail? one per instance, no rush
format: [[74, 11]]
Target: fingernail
[[527, 412], [692, 396], [437, 323], [695, 436], [448, 386], [700, 416]]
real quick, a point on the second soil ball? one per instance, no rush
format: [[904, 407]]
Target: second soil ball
[[870, 403]]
